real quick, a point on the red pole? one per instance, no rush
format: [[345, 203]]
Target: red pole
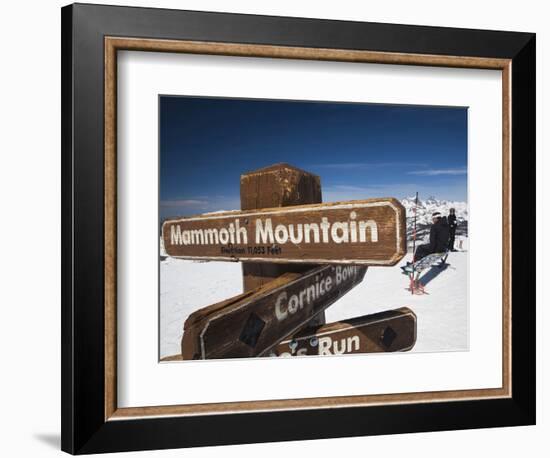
[[414, 228]]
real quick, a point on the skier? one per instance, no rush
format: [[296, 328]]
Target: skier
[[439, 238], [452, 228]]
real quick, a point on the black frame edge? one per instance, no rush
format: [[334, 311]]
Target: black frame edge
[[67, 413], [174, 432], [524, 209]]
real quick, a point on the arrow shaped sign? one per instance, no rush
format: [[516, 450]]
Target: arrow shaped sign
[[252, 323], [367, 232], [391, 330]]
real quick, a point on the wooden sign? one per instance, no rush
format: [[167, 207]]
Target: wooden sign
[[368, 232], [253, 323], [392, 330]]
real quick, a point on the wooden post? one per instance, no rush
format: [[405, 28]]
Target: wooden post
[[279, 185]]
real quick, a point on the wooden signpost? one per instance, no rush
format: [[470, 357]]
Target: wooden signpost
[[367, 232], [253, 323], [299, 256], [388, 331]]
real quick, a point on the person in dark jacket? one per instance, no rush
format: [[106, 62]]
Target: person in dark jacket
[[439, 238], [452, 228]]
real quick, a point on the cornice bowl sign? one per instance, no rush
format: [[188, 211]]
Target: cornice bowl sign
[[367, 232]]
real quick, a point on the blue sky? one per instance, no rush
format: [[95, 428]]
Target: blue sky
[[358, 150]]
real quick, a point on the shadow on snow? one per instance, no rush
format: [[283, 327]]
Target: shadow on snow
[[432, 273]]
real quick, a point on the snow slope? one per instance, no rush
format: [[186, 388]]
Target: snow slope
[[442, 314], [186, 286]]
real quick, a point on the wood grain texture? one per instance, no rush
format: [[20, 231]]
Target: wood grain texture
[[293, 52], [254, 322], [308, 403], [110, 235], [388, 331], [507, 228], [112, 44], [278, 185]]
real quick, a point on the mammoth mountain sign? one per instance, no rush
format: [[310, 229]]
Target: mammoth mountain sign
[[368, 232]]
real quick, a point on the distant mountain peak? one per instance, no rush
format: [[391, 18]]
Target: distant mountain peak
[[424, 210]]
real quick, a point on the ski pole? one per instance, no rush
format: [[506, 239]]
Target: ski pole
[[414, 228]]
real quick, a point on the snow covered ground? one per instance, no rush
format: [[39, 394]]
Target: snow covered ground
[[186, 286]]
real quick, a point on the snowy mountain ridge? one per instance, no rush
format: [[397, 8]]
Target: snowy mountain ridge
[[424, 211], [425, 208]]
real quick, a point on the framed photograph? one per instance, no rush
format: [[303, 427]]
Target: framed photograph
[[281, 229]]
